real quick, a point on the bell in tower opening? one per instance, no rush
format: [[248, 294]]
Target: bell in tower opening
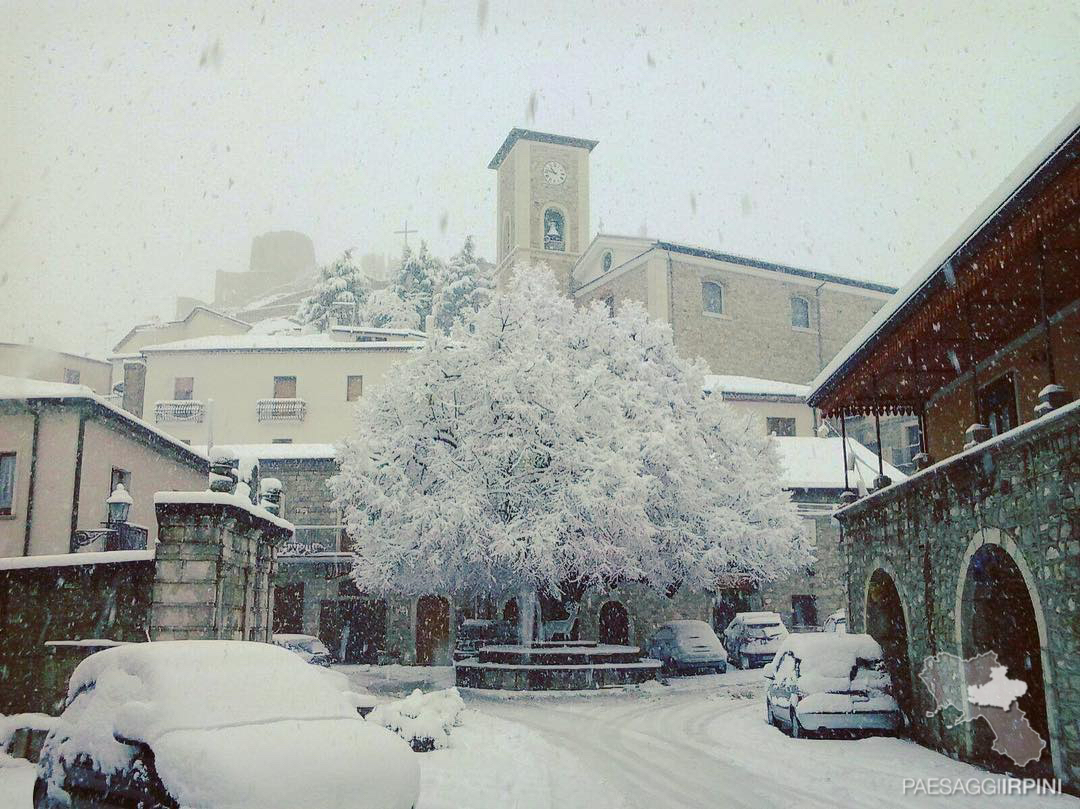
[[554, 230]]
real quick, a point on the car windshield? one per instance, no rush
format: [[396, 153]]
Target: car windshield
[[766, 631]]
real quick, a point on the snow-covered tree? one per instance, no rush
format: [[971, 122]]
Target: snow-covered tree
[[335, 278], [553, 449], [385, 309], [416, 280], [463, 288]]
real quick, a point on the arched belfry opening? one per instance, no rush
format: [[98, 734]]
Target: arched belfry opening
[[886, 624], [998, 615]]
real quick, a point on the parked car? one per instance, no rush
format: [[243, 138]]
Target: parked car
[[837, 622], [309, 647], [204, 724], [830, 682], [753, 638], [477, 632], [687, 646]]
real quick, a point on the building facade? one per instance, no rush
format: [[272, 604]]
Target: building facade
[[979, 552], [63, 449], [33, 362]]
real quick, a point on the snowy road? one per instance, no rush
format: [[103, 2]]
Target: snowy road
[[703, 743]]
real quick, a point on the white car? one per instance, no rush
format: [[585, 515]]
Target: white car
[[210, 724], [828, 682], [837, 622], [752, 638], [687, 646], [309, 647]]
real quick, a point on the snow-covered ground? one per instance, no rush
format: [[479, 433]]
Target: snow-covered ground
[[16, 782], [698, 742]]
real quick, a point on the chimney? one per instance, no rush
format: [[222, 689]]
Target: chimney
[[134, 386]]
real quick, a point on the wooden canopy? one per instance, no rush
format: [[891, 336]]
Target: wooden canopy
[[1018, 269]]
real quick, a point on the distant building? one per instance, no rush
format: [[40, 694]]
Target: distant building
[[63, 449], [33, 362]]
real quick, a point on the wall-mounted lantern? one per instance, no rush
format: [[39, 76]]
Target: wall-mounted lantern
[[119, 503]]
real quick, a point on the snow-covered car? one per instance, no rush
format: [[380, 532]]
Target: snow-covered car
[[309, 647], [837, 622], [475, 633], [687, 646], [827, 682], [214, 724], [753, 638]]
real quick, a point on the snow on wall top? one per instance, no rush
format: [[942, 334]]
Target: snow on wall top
[[1001, 195], [222, 499], [71, 559], [278, 342], [18, 388], [278, 452], [753, 386], [818, 463]]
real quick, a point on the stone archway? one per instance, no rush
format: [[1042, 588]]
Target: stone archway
[[614, 624], [886, 623], [998, 612], [432, 630]]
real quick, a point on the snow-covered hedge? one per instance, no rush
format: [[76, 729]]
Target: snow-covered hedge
[[423, 720]]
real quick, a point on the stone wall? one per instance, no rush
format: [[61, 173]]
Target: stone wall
[[1021, 493]]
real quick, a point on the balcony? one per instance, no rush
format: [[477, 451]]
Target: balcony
[[280, 409], [179, 410], [313, 539], [116, 537]]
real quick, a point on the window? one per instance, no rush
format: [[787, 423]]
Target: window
[[779, 426], [119, 476], [712, 298], [554, 230], [183, 388], [609, 304], [804, 610], [800, 313], [997, 404], [284, 387], [72, 376], [7, 483], [354, 388], [605, 262]]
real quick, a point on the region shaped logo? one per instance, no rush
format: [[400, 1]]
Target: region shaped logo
[[981, 687]]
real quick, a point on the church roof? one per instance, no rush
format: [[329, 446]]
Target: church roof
[[540, 137]]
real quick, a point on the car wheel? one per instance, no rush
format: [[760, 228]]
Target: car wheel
[[41, 796], [796, 728], [768, 712]]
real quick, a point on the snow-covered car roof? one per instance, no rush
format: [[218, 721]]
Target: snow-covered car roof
[[759, 618], [231, 723], [687, 625], [829, 650]]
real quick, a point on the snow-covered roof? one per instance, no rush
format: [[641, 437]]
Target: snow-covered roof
[[818, 463], [750, 386], [14, 388], [378, 331], [278, 452], [142, 327], [278, 342], [918, 284]]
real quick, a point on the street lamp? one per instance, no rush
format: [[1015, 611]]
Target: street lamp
[[119, 503]]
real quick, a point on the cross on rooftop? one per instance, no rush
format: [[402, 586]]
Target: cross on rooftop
[[405, 232]]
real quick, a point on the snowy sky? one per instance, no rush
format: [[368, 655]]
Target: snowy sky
[[144, 144]]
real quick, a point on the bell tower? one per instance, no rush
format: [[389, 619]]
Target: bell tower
[[542, 201]]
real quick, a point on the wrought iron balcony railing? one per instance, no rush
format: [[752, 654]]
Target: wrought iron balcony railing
[[280, 409], [179, 410], [123, 536]]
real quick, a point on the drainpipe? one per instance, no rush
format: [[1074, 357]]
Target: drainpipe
[[670, 294], [30, 487], [820, 348]]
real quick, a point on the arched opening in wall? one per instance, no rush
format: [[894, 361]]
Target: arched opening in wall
[[510, 611], [998, 616], [432, 630], [554, 230], [885, 623], [614, 624]]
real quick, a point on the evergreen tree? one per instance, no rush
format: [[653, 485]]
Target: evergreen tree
[[335, 278], [416, 280], [462, 290]]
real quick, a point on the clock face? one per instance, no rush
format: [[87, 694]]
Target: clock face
[[554, 173]]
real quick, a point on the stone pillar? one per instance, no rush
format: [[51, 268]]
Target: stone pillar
[[215, 557]]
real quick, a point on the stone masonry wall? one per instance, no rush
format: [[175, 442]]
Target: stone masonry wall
[[1021, 492]]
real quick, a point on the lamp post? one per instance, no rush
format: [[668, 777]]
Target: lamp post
[[119, 503]]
